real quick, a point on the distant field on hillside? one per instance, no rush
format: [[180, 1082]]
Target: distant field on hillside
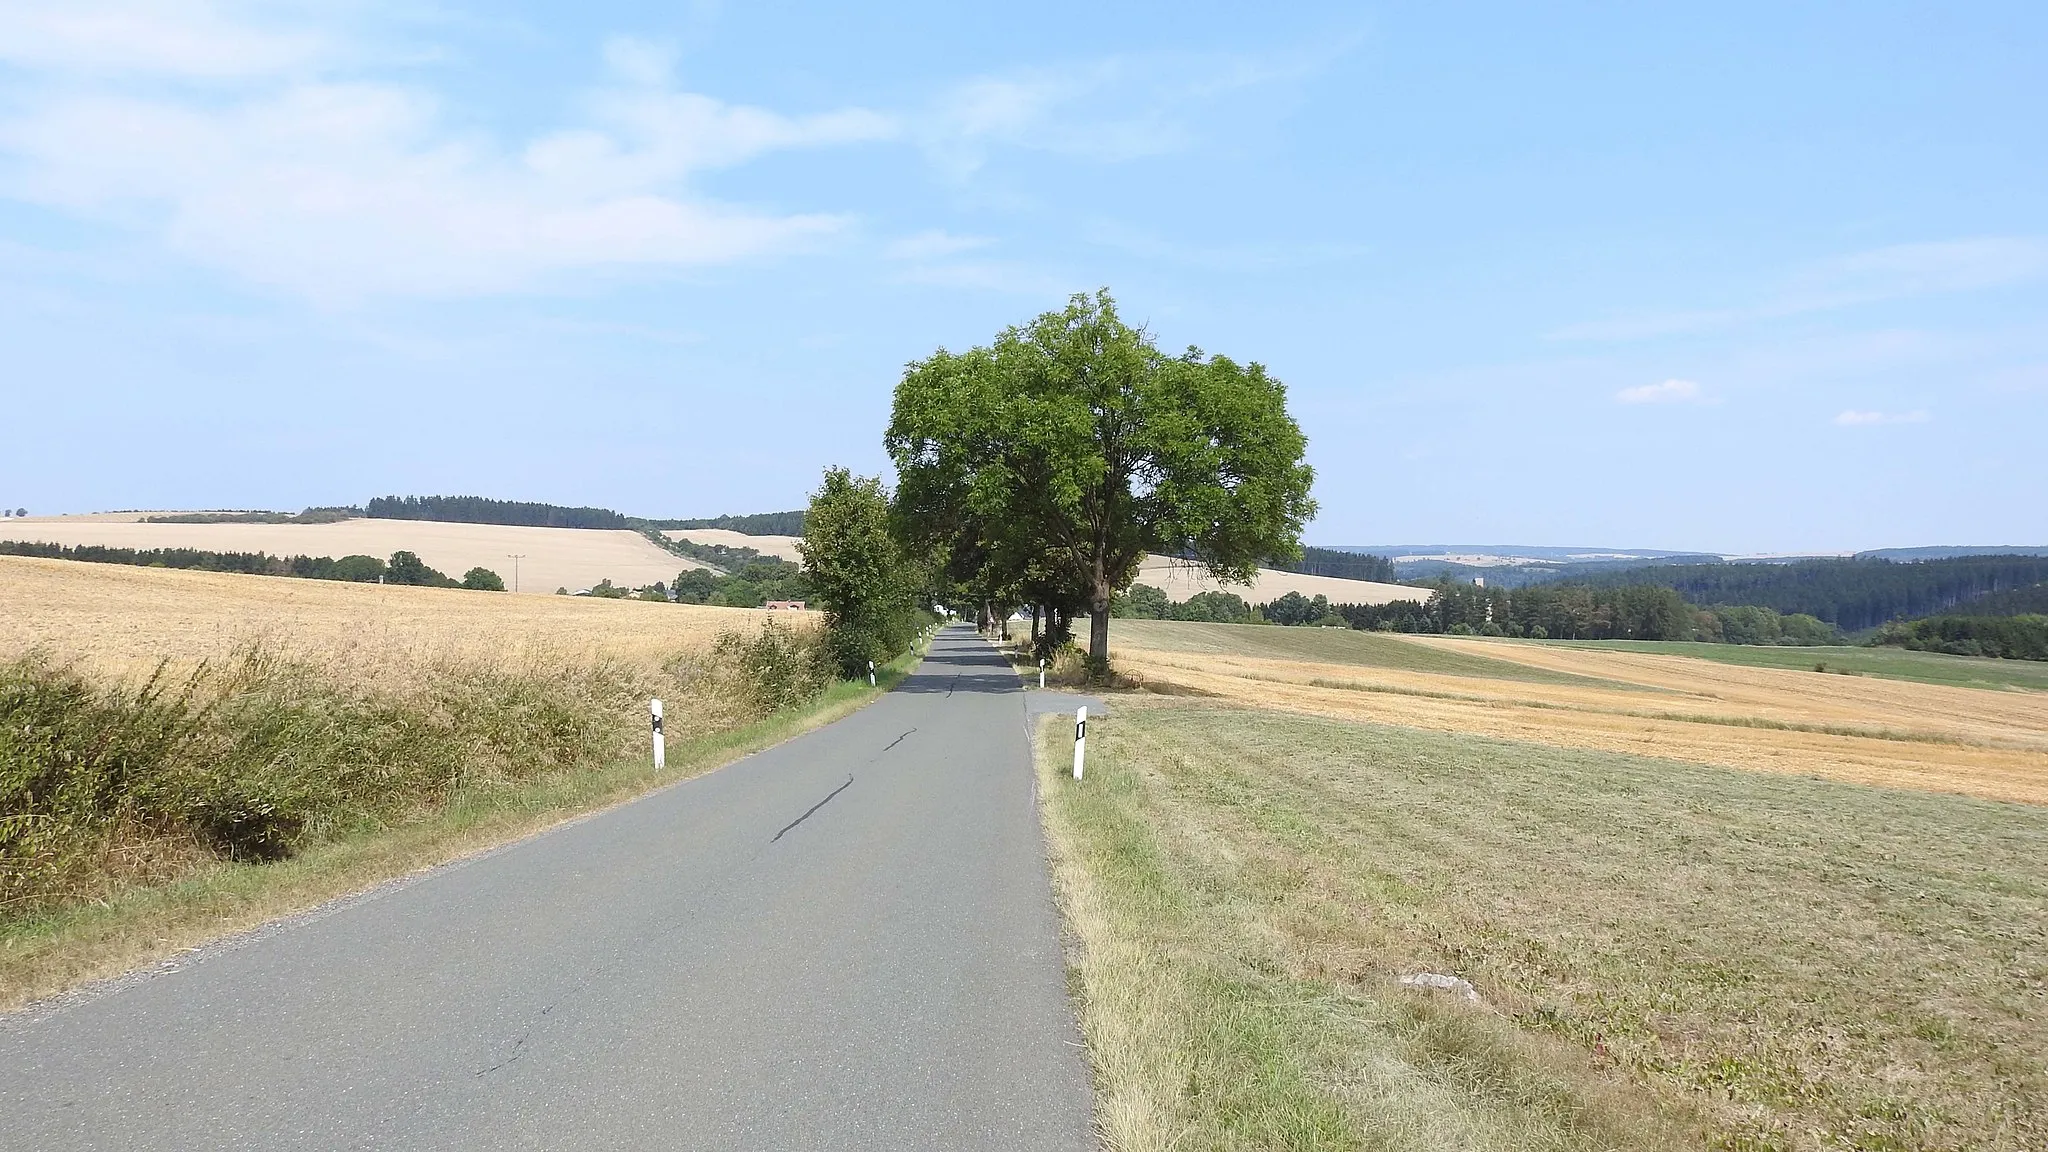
[[1890, 663], [124, 619], [1181, 583], [783, 547], [551, 558], [1325, 645]]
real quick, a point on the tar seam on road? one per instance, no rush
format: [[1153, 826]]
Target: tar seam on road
[[897, 741], [814, 808]]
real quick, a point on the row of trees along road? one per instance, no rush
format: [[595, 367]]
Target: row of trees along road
[[1041, 469]]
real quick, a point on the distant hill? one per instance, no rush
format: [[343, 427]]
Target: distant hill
[[1852, 594], [1948, 551]]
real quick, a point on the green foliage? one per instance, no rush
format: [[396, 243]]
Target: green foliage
[[1851, 594], [482, 579], [780, 667], [407, 568], [2031, 600], [478, 510], [750, 578], [1141, 602], [758, 524], [1044, 467], [606, 590], [357, 568], [1343, 565], [2006, 637], [861, 578]]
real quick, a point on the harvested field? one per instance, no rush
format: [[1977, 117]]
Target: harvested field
[[1976, 742], [122, 619], [783, 547], [1663, 954], [572, 558]]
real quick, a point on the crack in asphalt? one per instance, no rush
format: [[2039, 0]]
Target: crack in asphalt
[[896, 741], [815, 807]]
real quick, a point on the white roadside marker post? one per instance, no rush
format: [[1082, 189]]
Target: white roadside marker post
[[660, 753], [1041, 673], [1080, 739], [871, 673]]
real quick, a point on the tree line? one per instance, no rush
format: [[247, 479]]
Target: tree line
[[1852, 594], [479, 510], [1342, 565], [402, 568], [758, 524], [2022, 637]]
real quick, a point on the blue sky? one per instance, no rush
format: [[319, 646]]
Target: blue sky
[[1744, 278]]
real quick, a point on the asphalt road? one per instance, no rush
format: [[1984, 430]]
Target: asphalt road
[[844, 942]]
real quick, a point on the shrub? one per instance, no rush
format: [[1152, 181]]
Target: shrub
[[483, 580]]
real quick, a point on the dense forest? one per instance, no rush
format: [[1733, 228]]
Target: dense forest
[[1851, 594], [758, 524], [2029, 601], [2007, 637], [402, 568], [1344, 565], [478, 510]]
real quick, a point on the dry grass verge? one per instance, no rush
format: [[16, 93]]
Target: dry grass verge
[[1670, 954], [206, 896]]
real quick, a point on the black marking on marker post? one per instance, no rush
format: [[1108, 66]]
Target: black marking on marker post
[[657, 723]]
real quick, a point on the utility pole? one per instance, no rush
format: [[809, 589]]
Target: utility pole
[[515, 558]]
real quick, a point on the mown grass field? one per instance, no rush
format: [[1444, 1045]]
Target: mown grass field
[[1704, 906], [1669, 954]]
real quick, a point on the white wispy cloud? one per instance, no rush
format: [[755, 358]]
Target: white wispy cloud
[[1665, 392], [933, 244], [194, 39], [1856, 417], [1109, 109], [1896, 272], [342, 188]]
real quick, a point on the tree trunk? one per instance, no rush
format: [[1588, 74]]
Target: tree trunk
[[1098, 628]]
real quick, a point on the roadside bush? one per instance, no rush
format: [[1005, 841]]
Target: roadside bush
[[261, 755], [776, 668]]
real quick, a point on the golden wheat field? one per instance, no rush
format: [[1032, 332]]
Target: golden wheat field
[[123, 620], [1939, 738]]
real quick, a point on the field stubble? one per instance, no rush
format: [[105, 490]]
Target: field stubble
[[1894, 733], [1670, 954]]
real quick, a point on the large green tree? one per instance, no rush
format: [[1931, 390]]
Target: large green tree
[[1055, 459]]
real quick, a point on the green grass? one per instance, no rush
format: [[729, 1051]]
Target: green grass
[[1670, 955], [1330, 646], [1889, 663]]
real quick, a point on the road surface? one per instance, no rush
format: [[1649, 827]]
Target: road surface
[[844, 942]]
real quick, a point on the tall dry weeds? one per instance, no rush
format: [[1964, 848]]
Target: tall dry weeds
[[259, 755]]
